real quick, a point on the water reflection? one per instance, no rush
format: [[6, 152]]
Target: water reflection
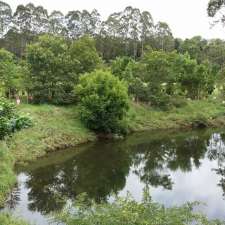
[[156, 160]]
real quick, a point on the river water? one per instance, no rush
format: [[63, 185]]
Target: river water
[[177, 167]]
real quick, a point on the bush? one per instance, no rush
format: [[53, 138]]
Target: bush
[[20, 122], [4, 127], [10, 121], [103, 101], [7, 109], [126, 211]]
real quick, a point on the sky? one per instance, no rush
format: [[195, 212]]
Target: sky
[[186, 18]]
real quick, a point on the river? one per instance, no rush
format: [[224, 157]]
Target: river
[[177, 167]]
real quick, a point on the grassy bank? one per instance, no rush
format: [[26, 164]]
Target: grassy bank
[[7, 176], [59, 128], [54, 128], [193, 114]]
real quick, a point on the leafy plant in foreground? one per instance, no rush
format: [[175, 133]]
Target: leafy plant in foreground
[[126, 211]]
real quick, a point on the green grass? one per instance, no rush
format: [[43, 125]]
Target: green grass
[[7, 176], [142, 117], [6, 219], [54, 128]]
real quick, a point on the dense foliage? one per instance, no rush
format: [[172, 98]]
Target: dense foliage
[[11, 74], [10, 121], [159, 77], [103, 100], [55, 67], [127, 211]]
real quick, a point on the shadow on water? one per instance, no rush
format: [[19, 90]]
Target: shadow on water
[[176, 167]]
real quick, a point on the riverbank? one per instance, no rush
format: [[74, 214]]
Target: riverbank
[[60, 128]]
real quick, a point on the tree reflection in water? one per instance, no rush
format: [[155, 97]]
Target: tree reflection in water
[[216, 151], [102, 168]]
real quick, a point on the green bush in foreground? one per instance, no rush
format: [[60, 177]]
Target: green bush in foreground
[[126, 211], [103, 100]]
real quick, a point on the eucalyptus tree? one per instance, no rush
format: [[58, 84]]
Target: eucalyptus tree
[[57, 23], [111, 27], [130, 26], [5, 17], [73, 20], [109, 40], [134, 23], [22, 18], [216, 9], [21, 27], [40, 20], [95, 20], [81, 23], [164, 37], [30, 19], [147, 28]]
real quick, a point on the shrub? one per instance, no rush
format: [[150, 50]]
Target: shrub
[[7, 109], [103, 101], [4, 127], [10, 121], [20, 122], [126, 211]]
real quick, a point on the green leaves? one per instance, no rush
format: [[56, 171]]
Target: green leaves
[[103, 101], [126, 211], [214, 6], [55, 67], [10, 121]]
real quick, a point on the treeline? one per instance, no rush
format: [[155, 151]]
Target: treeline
[[125, 32]]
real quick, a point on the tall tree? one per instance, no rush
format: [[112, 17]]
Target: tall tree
[[81, 23], [5, 17], [164, 37], [147, 25], [40, 22], [53, 71], [57, 24], [214, 7], [22, 18]]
